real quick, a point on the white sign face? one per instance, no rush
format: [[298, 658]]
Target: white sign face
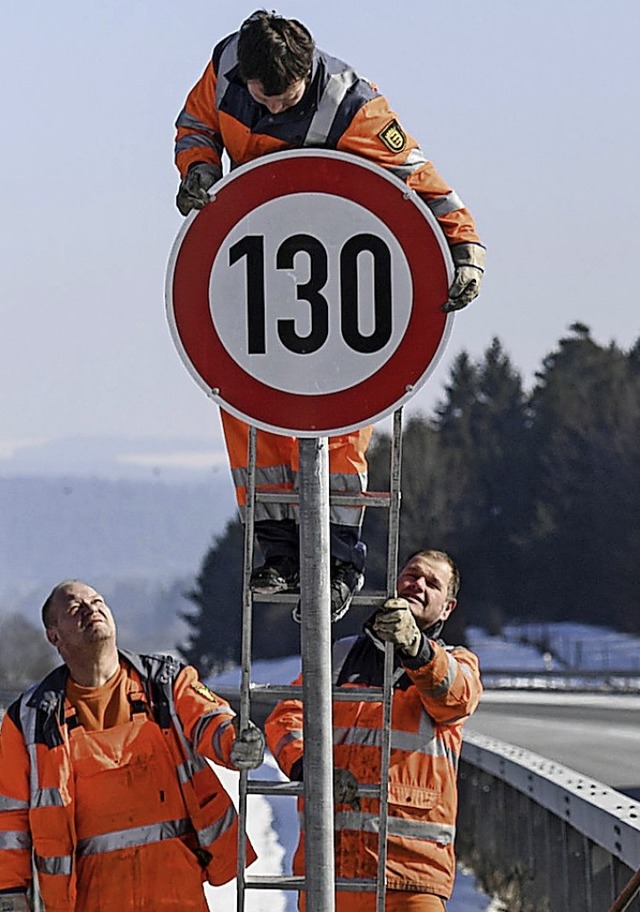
[[285, 265], [307, 296]]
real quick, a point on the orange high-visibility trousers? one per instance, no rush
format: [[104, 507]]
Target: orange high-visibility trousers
[[136, 846], [277, 470], [395, 901]]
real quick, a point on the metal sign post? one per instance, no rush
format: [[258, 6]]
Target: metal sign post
[[316, 669]]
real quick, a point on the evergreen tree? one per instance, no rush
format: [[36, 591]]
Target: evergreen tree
[[586, 420], [483, 435], [215, 642], [216, 638]]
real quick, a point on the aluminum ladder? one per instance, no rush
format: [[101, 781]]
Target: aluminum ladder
[[387, 500]]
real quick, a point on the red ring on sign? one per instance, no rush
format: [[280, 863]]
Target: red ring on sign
[[298, 413]]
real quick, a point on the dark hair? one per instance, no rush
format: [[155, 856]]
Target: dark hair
[[454, 582], [274, 50]]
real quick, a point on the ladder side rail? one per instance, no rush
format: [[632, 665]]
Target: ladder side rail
[[387, 703], [245, 660]]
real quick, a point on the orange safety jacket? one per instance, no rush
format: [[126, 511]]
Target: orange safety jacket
[[343, 111], [339, 110], [184, 832], [430, 704]]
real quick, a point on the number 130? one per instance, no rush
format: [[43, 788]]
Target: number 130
[[251, 246]]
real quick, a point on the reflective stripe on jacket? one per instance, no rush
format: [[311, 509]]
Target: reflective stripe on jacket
[[430, 704], [340, 110], [38, 787]]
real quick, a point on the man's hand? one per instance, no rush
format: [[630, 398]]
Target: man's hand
[[248, 749], [192, 193], [468, 260], [345, 788], [14, 902], [396, 624]]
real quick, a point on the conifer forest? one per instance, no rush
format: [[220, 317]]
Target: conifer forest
[[535, 493]]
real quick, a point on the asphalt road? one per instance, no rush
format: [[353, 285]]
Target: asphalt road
[[596, 735]]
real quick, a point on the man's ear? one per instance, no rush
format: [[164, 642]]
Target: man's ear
[[449, 607], [52, 635]]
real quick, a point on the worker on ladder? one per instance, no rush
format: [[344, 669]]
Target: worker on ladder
[[267, 88], [435, 689]]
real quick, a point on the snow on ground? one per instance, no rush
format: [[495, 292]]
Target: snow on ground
[[496, 652], [575, 645]]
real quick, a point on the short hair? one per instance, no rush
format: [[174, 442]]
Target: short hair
[[454, 582], [50, 599], [275, 51]]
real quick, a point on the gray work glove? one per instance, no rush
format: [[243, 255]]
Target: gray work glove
[[345, 788], [468, 260], [14, 902], [248, 749], [396, 624], [192, 193]]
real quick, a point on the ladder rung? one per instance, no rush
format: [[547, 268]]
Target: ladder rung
[[375, 599], [269, 787], [273, 882], [367, 499], [340, 694], [294, 882]]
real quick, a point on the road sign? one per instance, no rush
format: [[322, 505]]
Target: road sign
[[306, 296]]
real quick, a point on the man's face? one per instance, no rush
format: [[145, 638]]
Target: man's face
[[424, 583], [79, 620], [276, 104]]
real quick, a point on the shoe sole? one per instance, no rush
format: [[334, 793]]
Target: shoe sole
[[338, 615], [296, 614], [268, 588]]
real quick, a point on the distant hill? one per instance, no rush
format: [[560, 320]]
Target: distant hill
[[170, 459], [105, 531]]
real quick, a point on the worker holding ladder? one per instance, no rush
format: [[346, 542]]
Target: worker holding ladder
[[435, 689]]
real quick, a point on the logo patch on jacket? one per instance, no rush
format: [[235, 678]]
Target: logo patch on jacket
[[204, 691], [394, 137]]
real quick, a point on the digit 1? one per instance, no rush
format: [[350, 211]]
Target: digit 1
[[252, 246]]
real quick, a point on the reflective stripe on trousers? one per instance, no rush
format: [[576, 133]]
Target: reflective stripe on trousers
[[277, 466], [395, 901]]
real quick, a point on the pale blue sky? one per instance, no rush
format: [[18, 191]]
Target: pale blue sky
[[529, 110]]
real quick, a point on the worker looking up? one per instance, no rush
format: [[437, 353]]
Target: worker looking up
[[103, 777], [268, 88], [435, 689]]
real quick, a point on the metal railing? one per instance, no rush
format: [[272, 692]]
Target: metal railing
[[541, 836]]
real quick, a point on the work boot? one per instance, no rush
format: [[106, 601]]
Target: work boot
[[277, 574], [346, 580]]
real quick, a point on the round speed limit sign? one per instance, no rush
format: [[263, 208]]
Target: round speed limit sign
[[306, 296]]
